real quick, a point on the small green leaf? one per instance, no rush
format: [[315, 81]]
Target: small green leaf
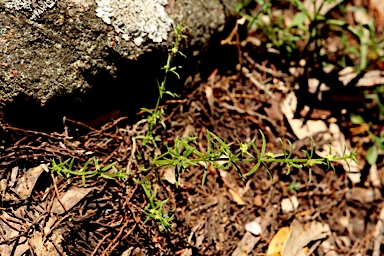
[[106, 176], [182, 54], [174, 72], [335, 22], [209, 143], [264, 146], [238, 7], [174, 95], [353, 50], [106, 168], [253, 169], [372, 155], [71, 164], [379, 142], [298, 20], [357, 119], [310, 175], [204, 177], [363, 56], [146, 110]]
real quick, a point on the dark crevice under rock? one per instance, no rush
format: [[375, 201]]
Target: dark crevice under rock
[[133, 86]]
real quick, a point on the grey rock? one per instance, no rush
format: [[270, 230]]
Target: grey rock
[[47, 45]]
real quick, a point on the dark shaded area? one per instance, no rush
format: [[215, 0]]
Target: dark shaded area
[[134, 86]]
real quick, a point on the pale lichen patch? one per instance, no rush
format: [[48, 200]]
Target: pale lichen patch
[[35, 7], [136, 20]]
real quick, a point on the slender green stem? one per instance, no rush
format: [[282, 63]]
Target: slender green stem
[[161, 91], [156, 114]]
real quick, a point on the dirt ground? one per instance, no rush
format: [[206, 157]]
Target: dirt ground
[[336, 213]]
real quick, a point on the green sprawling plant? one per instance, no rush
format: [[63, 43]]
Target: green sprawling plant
[[155, 209], [184, 155], [376, 140], [86, 172], [309, 29]]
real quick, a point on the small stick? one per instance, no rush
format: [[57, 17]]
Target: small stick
[[98, 245], [57, 193]]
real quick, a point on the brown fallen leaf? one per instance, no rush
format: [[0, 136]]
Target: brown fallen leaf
[[301, 130], [299, 237], [322, 6], [27, 182], [246, 245], [277, 243], [364, 195], [274, 111], [70, 199], [377, 6], [42, 247], [9, 233], [210, 98], [169, 175], [236, 197], [14, 173]]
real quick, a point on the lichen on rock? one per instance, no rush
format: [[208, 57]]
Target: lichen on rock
[[136, 20], [36, 7]]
